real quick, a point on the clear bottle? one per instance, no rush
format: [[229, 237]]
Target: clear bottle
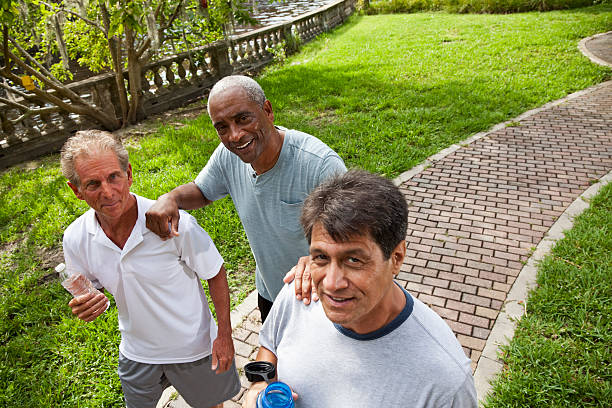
[[276, 395]]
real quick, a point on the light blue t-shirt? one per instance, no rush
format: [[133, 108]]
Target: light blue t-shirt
[[269, 205]]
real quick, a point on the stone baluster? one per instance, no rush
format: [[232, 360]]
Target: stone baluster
[[181, 72], [7, 127], [250, 50], [159, 82], [46, 119], [241, 53], [257, 55], [144, 82], [193, 69], [169, 75]]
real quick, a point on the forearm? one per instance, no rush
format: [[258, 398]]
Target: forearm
[[266, 355], [219, 292], [251, 397], [187, 197]]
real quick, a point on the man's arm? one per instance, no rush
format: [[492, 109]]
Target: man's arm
[[250, 401], [223, 346], [163, 216]]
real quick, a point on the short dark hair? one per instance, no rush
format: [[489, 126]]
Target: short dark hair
[[358, 202]]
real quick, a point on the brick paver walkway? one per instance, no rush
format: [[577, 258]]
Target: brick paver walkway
[[476, 214]]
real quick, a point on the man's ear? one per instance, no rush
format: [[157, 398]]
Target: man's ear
[[129, 173], [397, 256], [267, 107], [76, 191]]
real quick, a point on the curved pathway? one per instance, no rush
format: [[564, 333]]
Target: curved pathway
[[477, 212]]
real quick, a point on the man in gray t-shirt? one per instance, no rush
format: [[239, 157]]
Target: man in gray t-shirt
[[367, 343], [267, 170]]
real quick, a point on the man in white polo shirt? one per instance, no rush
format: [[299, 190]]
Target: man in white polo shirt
[[168, 334]]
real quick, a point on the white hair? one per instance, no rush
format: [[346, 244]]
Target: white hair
[[250, 86]]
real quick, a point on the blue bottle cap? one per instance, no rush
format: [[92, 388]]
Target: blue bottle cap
[[276, 395]]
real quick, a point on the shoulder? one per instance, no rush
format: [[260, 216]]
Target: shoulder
[[439, 336], [222, 155], [77, 229], [303, 144]]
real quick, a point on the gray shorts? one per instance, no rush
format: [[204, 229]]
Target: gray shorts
[[143, 384]]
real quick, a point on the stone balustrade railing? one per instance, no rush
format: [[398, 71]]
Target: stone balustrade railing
[[167, 84]]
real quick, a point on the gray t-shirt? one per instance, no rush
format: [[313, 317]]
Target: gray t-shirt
[[269, 205], [415, 361]]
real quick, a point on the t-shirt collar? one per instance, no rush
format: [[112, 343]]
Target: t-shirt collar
[[383, 331]]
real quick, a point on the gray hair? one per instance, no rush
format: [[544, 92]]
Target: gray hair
[[356, 203], [253, 90], [86, 142]]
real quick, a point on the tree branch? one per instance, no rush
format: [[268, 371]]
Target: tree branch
[[5, 49], [145, 45], [172, 18], [59, 87], [31, 112], [16, 91], [14, 104], [32, 60], [85, 19]]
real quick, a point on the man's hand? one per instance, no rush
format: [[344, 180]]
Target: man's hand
[[250, 401], [88, 307], [163, 217], [222, 353], [304, 288]]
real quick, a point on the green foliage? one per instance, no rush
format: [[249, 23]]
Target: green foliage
[[560, 355], [476, 6]]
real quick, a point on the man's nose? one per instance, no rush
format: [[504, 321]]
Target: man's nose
[[235, 134], [107, 190], [335, 278]]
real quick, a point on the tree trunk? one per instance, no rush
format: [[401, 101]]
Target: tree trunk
[[136, 112]]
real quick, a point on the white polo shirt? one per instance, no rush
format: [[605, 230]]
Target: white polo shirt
[[163, 312]]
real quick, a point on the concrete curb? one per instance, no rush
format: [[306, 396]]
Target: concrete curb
[[249, 304], [582, 46], [515, 305]]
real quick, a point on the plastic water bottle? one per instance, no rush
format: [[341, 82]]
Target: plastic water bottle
[[276, 395]]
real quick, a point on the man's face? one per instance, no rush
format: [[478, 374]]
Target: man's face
[[104, 186], [354, 280], [244, 127]]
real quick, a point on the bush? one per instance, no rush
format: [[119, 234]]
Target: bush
[[477, 6]]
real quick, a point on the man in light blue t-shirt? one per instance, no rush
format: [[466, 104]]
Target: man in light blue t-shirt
[[367, 343], [267, 170]]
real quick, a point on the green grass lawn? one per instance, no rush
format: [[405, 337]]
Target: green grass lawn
[[384, 91], [561, 354]]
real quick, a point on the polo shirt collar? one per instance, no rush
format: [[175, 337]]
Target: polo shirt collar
[[93, 227]]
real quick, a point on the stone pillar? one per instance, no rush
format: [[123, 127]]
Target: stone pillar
[[220, 60]]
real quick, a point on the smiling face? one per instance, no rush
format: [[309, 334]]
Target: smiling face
[[354, 281], [246, 128], [103, 184]]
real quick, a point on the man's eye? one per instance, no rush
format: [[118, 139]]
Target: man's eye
[[319, 258], [243, 118], [220, 130], [353, 260]]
